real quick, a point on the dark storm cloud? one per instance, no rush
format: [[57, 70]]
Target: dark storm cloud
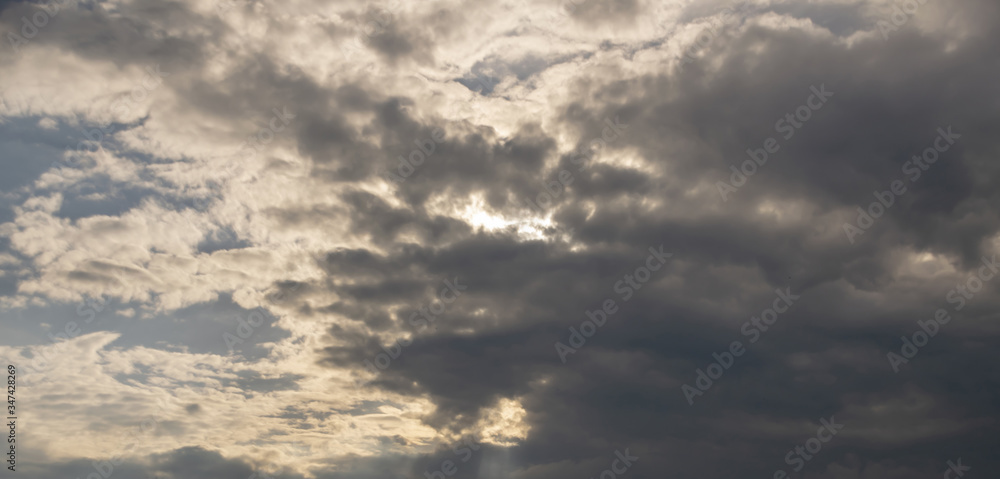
[[7, 3], [191, 462], [396, 36], [394, 44], [371, 214], [826, 357], [467, 460], [133, 33], [196, 463]]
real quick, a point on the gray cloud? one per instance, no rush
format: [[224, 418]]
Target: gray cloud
[[313, 218]]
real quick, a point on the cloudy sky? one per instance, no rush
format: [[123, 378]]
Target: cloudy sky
[[514, 239]]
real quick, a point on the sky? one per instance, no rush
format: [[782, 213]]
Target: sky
[[245, 239]]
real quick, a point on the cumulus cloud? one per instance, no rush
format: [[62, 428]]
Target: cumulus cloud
[[233, 236]]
